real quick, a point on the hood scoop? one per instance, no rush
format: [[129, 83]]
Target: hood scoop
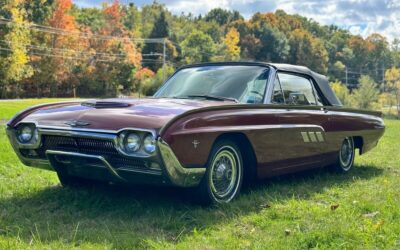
[[105, 104]]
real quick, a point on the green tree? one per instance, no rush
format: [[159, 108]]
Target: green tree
[[342, 92], [275, 46], [151, 85], [160, 30], [38, 11], [366, 95], [198, 47], [222, 16]]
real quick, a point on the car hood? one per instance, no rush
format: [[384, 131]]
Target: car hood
[[115, 114]]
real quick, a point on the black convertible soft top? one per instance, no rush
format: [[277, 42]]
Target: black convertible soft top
[[321, 80]]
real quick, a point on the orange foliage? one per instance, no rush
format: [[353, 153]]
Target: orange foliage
[[69, 42], [60, 19], [114, 27], [144, 73]]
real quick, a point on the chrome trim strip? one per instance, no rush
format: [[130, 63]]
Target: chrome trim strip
[[305, 136], [248, 127], [106, 131], [179, 175], [50, 153], [320, 137], [312, 136]]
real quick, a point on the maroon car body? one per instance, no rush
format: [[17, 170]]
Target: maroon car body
[[273, 136]]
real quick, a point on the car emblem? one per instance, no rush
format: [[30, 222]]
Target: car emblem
[[195, 143], [76, 123]]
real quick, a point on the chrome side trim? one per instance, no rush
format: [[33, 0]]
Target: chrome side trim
[[312, 136], [90, 130], [51, 153], [178, 175], [305, 136], [320, 137]]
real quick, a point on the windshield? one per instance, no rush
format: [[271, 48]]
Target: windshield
[[244, 84]]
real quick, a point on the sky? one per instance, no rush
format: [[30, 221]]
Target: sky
[[360, 17]]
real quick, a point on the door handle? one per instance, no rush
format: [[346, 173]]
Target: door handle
[[325, 110]]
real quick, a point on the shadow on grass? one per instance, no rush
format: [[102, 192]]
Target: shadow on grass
[[127, 217]]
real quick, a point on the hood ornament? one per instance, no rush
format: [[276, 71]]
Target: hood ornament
[[76, 123]]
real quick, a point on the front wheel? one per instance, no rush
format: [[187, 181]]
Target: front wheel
[[224, 176], [346, 155]]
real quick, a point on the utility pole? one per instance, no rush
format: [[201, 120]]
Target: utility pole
[[347, 84], [383, 76], [164, 55]]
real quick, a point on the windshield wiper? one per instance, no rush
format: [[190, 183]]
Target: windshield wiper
[[213, 97]]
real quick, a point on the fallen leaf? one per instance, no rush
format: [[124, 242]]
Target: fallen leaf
[[265, 206], [371, 215], [334, 206], [379, 224]]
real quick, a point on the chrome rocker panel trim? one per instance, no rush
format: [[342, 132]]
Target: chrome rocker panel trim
[[171, 168]]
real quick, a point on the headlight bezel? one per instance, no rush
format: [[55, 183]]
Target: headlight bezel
[[34, 137], [121, 141], [149, 144]]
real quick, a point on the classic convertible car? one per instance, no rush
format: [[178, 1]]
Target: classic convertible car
[[209, 127]]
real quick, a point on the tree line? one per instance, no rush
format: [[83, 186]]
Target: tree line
[[55, 48]]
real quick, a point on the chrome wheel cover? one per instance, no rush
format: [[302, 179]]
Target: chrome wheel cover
[[225, 174], [346, 153]]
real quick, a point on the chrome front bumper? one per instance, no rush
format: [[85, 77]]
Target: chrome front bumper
[[171, 171]]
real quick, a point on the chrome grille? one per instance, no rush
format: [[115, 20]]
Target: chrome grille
[[88, 146]]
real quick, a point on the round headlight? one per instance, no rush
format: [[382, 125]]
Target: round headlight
[[25, 134], [149, 144], [132, 143]]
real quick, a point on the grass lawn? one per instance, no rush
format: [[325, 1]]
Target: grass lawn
[[9, 108], [314, 209]]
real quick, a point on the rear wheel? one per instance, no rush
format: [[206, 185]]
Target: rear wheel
[[346, 156], [224, 175]]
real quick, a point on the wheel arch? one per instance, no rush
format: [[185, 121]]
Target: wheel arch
[[246, 149], [358, 143]]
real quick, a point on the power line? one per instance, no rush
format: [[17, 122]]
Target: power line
[[53, 30]]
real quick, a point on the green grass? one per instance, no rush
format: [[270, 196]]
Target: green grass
[[290, 212], [9, 108]]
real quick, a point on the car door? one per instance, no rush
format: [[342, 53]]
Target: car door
[[302, 119]]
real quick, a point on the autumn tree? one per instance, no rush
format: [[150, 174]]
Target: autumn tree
[[15, 65], [116, 72], [392, 86], [65, 46], [308, 51], [231, 41]]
